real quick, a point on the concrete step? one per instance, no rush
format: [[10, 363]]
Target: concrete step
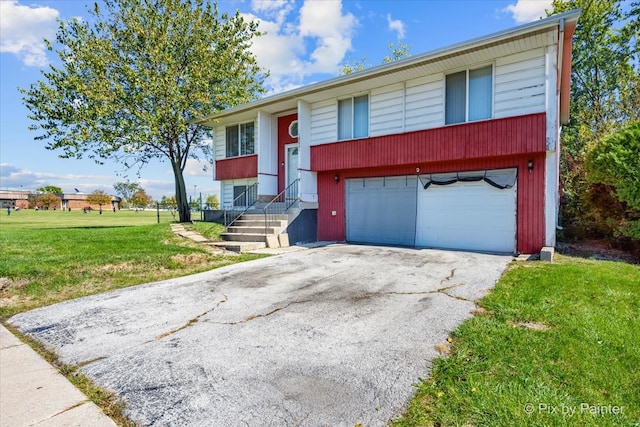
[[248, 216], [258, 229], [272, 206], [240, 246], [243, 237], [254, 223]]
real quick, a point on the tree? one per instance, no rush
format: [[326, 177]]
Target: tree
[[48, 200], [605, 95], [615, 161], [52, 189], [140, 199], [100, 198], [397, 51], [353, 66], [135, 75], [168, 202], [125, 189], [213, 202]]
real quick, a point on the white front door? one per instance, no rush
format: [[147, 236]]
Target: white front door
[[291, 163]]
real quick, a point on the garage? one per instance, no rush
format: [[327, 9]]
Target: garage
[[465, 210], [382, 210]]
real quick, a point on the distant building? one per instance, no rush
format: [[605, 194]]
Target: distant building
[[27, 200], [14, 199]]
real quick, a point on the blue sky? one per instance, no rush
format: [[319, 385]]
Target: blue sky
[[306, 41]]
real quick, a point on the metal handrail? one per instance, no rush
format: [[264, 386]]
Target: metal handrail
[[250, 196], [289, 196]]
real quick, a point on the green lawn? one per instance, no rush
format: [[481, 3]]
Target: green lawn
[[51, 256], [554, 344]]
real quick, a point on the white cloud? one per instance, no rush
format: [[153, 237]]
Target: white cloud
[[324, 22], [528, 10], [279, 51], [278, 9], [18, 178], [291, 48], [197, 167], [396, 25], [23, 28]]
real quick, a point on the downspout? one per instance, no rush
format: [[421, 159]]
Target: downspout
[[558, 91]]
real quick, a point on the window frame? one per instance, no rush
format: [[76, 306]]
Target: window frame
[[354, 125], [467, 71], [240, 145]]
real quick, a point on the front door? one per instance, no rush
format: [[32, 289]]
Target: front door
[[291, 166]]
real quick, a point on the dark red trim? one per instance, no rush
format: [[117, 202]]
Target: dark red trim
[[490, 138], [283, 139], [492, 144], [530, 195], [237, 167]]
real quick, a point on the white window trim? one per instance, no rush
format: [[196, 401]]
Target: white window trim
[[353, 122], [237, 125], [466, 107]]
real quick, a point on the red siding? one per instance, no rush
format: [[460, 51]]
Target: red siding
[[237, 167], [490, 138], [454, 148], [283, 139]]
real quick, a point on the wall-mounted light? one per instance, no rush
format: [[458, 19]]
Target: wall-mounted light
[[417, 170], [336, 178], [530, 165]]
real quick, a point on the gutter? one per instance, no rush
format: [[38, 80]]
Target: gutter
[[560, 59]]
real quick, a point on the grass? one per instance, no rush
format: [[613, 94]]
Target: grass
[[210, 230], [554, 344], [54, 256]]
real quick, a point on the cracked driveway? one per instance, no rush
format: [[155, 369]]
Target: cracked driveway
[[328, 336]]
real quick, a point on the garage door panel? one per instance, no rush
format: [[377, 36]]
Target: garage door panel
[[467, 215], [381, 210]]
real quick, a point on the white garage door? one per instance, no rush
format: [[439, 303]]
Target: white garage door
[[381, 210], [473, 215]]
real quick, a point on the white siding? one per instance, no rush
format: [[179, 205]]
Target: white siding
[[266, 143], [424, 103], [519, 88], [219, 139], [386, 110], [324, 122], [520, 84], [308, 187], [226, 189]]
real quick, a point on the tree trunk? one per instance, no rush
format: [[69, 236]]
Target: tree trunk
[[182, 204]]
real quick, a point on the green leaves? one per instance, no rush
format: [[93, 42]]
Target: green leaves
[[134, 76], [605, 97], [615, 161]]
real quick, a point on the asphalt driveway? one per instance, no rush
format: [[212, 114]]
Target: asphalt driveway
[[328, 336]]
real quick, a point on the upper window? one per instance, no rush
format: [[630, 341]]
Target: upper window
[[468, 95], [240, 140], [353, 117]]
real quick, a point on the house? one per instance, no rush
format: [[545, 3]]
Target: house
[[455, 148], [28, 200]]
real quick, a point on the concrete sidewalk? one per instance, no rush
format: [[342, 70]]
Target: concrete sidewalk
[[34, 393]]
